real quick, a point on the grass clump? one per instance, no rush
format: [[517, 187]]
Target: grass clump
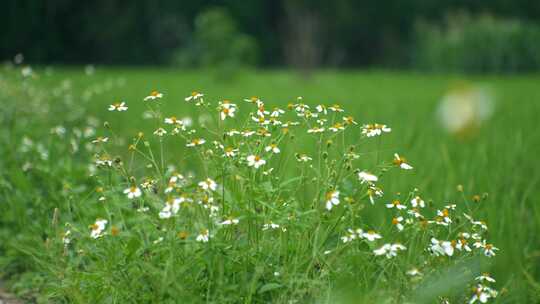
[[276, 207]]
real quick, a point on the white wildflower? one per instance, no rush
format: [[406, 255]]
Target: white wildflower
[[208, 184], [366, 177], [153, 96], [389, 250], [401, 162], [332, 199], [133, 192], [97, 228], [255, 161], [119, 106]]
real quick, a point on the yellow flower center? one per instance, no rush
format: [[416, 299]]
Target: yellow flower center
[[329, 195]]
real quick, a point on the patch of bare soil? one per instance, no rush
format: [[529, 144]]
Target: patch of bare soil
[[7, 298]]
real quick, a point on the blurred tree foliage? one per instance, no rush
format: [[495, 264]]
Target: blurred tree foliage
[[298, 32], [479, 44], [217, 43]]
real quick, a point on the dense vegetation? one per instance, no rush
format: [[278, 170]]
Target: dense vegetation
[[53, 128]]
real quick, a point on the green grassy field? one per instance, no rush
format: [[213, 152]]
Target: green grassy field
[[499, 158]]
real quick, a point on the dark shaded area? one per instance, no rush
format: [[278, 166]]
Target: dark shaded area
[[321, 33]]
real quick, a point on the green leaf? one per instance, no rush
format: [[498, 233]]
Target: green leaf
[[269, 287], [289, 181], [267, 186], [131, 247]]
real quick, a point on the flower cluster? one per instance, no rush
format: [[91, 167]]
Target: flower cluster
[[279, 174]]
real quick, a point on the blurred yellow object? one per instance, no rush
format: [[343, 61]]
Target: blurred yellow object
[[463, 109]]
